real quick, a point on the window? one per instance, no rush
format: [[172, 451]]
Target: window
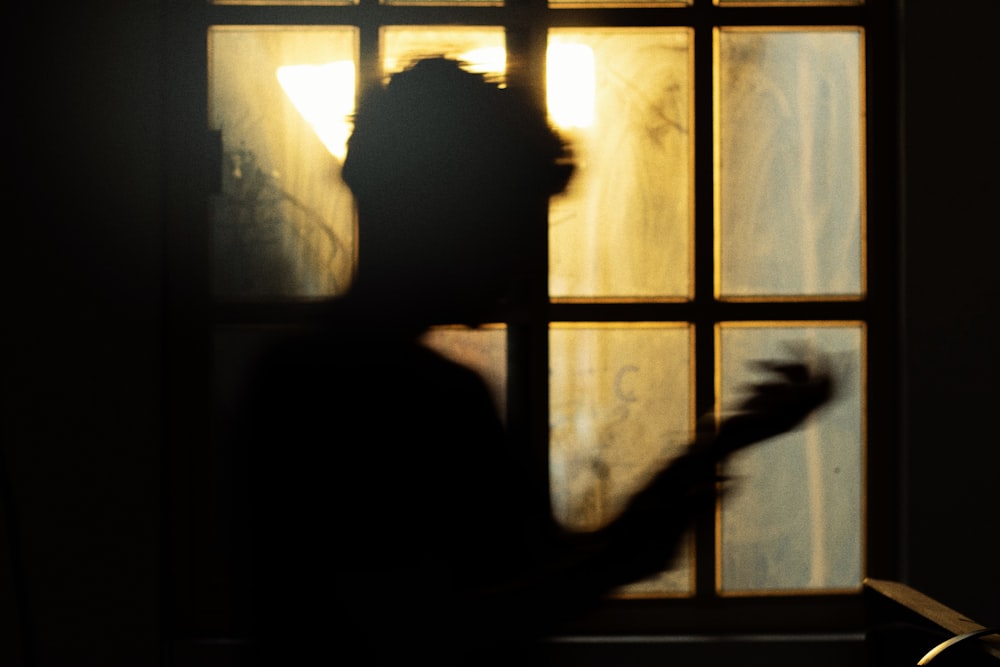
[[729, 206]]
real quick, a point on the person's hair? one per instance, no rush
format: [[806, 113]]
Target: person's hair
[[438, 128]]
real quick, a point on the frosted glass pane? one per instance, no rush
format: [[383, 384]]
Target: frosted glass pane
[[284, 2], [793, 520], [484, 350], [620, 399], [790, 163], [482, 48], [613, 3], [283, 224], [492, 3], [783, 3], [622, 97]]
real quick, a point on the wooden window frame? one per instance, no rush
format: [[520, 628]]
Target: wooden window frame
[[193, 606]]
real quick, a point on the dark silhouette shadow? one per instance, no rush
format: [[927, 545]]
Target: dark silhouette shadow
[[391, 518]]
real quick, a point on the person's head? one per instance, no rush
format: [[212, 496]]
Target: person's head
[[449, 170]]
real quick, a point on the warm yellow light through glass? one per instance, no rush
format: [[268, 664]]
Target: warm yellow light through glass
[[487, 60], [570, 84], [571, 73], [480, 48], [483, 349], [621, 98], [620, 409], [283, 223], [324, 95], [570, 80]]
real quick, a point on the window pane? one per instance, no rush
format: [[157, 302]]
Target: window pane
[[620, 400], [283, 2], [284, 222], [484, 350], [619, 3], [789, 3], [624, 227], [482, 48], [793, 520], [489, 3], [790, 160]]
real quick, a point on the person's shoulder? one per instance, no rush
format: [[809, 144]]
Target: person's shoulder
[[342, 346]]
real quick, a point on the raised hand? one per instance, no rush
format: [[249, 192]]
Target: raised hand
[[648, 534], [776, 405]]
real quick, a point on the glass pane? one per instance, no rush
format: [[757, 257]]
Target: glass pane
[[283, 2], [789, 3], [484, 350], [284, 222], [482, 48], [619, 3], [620, 400], [790, 163], [793, 519], [622, 97], [489, 3]]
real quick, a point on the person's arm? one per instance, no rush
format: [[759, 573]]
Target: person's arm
[[645, 538]]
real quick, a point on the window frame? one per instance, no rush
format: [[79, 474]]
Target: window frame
[[196, 605]]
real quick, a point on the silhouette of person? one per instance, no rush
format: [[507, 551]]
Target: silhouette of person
[[391, 516]]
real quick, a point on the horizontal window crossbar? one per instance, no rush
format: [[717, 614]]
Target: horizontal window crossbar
[[514, 16], [292, 312]]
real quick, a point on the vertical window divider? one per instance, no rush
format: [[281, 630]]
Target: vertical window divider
[[526, 32], [704, 318], [369, 44]]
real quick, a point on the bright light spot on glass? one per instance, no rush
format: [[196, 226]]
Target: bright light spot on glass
[[324, 95], [570, 85], [486, 60]]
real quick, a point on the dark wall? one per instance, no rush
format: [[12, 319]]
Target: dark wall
[[951, 301], [81, 373], [82, 422]]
